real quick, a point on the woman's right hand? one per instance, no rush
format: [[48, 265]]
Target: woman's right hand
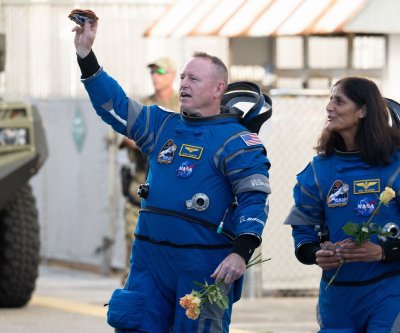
[[327, 258]]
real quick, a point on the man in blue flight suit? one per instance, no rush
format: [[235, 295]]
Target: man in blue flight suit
[[205, 201]]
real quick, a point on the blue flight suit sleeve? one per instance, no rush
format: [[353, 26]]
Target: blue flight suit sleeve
[[308, 197], [308, 210], [125, 115], [246, 168], [111, 103]]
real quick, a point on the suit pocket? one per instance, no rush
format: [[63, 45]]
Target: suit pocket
[[125, 309]]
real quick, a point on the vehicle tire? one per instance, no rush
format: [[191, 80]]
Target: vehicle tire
[[19, 249]]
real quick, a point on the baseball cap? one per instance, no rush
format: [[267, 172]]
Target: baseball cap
[[163, 62]]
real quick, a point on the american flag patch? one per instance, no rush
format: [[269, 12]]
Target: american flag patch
[[251, 139]]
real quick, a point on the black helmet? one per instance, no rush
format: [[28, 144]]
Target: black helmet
[[394, 110], [240, 95]]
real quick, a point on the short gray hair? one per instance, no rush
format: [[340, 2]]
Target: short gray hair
[[222, 70]]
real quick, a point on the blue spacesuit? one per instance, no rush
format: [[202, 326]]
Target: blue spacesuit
[[207, 184], [331, 191]]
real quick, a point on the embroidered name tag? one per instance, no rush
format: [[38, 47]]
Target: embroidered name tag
[[191, 151], [367, 186]]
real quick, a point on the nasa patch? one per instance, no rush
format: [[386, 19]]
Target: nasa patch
[[185, 170], [366, 206]]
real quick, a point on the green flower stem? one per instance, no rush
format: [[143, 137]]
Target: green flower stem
[[208, 287], [256, 260], [374, 213], [334, 276]]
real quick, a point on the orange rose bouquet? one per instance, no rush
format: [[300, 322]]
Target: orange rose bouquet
[[210, 293]]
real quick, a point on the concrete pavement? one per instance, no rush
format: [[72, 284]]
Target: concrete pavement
[[83, 293]]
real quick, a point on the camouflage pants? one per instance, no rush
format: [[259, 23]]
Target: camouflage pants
[[131, 214]]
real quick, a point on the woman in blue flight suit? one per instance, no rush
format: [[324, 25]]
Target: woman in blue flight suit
[[358, 156]]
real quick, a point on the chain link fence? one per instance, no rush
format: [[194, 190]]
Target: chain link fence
[[297, 122]]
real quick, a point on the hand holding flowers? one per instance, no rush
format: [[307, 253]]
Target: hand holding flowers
[[194, 301], [362, 233], [209, 293]]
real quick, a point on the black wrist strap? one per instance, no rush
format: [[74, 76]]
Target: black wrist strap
[[244, 245], [88, 65], [391, 249], [305, 253]]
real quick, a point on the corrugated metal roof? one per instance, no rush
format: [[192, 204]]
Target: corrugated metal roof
[[379, 16], [254, 18]]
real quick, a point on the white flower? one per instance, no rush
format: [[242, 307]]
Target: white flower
[[387, 195]]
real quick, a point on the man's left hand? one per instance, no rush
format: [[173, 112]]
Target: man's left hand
[[230, 269]]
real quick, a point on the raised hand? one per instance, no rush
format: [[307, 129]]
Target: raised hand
[[84, 37]]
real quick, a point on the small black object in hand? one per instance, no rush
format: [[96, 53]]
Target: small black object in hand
[[79, 16]]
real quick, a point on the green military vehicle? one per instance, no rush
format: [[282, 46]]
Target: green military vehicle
[[23, 150]]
